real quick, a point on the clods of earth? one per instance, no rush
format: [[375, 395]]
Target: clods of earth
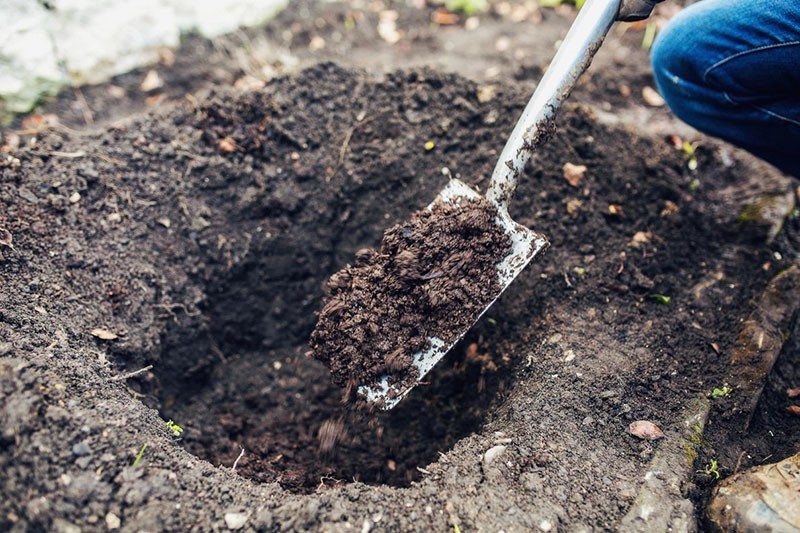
[[170, 268]]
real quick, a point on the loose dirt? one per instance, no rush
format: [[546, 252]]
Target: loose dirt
[[201, 235], [432, 277]]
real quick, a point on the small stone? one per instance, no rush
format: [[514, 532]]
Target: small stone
[[493, 453], [81, 449], [113, 521], [236, 520], [644, 429], [75, 197]]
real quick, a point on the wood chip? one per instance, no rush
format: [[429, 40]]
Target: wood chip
[[574, 173], [793, 393], [645, 429], [103, 334], [794, 409]]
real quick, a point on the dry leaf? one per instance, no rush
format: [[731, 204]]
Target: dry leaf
[[103, 334], [444, 17], [645, 430], [574, 173], [793, 393], [794, 409], [652, 98]]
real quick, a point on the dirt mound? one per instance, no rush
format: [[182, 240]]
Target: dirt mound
[[197, 240]]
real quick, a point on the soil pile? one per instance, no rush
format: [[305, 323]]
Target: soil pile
[[432, 277]]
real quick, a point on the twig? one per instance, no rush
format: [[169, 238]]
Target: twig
[[236, 462], [79, 153], [127, 375], [86, 111]]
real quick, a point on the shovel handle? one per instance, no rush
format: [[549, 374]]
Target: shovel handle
[[571, 60]]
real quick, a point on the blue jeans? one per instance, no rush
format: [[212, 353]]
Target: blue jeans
[[731, 69]]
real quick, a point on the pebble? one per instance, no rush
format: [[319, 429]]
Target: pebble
[[113, 521], [235, 521], [81, 449], [493, 453]]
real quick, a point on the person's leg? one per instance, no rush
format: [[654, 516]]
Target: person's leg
[[731, 68]]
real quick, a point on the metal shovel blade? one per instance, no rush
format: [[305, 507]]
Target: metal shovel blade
[[525, 245]]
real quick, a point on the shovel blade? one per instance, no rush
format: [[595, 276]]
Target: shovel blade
[[525, 246]]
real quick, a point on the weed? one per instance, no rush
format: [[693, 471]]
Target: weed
[[712, 469], [721, 392], [660, 298], [176, 429], [139, 455]]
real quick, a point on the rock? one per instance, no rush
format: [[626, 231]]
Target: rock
[[112, 521], [766, 498], [236, 520], [95, 41], [81, 449], [493, 453], [645, 429]]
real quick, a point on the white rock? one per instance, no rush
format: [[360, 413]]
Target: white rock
[[493, 453], [88, 41], [235, 521]]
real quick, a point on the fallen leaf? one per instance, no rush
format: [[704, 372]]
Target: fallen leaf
[[652, 98], [574, 173], [793, 393], [444, 17], [645, 430], [794, 409], [103, 334]]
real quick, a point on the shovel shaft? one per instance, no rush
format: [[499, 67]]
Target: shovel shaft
[[572, 58]]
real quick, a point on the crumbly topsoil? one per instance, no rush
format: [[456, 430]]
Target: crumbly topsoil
[[432, 276], [169, 267]]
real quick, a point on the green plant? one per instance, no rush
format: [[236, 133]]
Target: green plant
[[468, 7], [139, 455], [176, 429], [660, 298], [712, 469], [725, 390]]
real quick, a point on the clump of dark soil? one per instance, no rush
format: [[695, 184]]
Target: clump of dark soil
[[432, 277]]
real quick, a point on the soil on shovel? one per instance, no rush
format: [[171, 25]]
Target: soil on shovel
[[170, 267], [431, 277]]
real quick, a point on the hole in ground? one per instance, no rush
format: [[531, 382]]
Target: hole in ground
[[242, 380]]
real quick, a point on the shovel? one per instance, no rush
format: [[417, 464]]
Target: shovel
[[573, 57]]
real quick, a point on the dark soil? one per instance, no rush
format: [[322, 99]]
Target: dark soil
[[201, 235], [432, 277]]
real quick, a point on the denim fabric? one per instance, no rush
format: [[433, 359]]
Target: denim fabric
[[731, 68]]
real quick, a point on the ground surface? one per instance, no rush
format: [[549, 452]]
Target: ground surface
[[196, 239]]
